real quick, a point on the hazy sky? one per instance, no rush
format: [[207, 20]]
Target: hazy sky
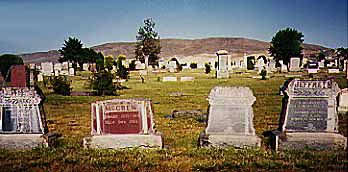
[[41, 25]]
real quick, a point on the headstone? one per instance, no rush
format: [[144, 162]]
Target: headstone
[[143, 72], [187, 78], [71, 71], [85, 66], [39, 77], [343, 101], [21, 124], [310, 118], [18, 76], [250, 62], [65, 66], [200, 66], [222, 69], [272, 66], [93, 67], [333, 70], [283, 67], [295, 64], [137, 65], [172, 66], [161, 63], [312, 70], [32, 66], [56, 72], [260, 65], [169, 79], [121, 123], [230, 120], [47, 68], [57, 66]]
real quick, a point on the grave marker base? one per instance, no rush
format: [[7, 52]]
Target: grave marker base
[[239, 141], [123, 141], [315, 140], [22, 141]]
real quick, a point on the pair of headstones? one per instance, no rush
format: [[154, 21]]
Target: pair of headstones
[[309, 117]]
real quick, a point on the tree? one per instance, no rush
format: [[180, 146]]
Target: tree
[[61, 85], [122, 71], [321, 56], [109, 62], [99, 61], [6, 61], [102, 83], [285, 44], [148, 43], [72, 51], [207, 68]]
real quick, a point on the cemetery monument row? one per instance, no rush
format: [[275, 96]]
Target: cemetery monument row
[[120, 123], [230, 120], [309, 117], [21, 123]]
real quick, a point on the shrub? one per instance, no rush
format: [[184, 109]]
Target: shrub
[[193, 65], [61, 85], [132, 65], [207, 68], [102, 83], [263, 74], [122, 71]]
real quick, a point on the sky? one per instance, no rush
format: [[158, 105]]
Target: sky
[[41, 25]]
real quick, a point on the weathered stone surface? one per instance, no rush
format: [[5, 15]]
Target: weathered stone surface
[[295, 64], [22, 141], [310, 118], [123, 141], [187, 78], [319, 141], [186, 113], [343, 101], [169, 79], [230, 120]]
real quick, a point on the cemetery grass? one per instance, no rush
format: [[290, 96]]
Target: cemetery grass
[[70, 116]]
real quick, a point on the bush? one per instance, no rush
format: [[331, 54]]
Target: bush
[[61, 85], [193, 65], [263, 74], [132, 65], [207, 68], [102, 83], [122, 71]]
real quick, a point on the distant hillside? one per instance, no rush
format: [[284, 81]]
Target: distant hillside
[[178, 47]]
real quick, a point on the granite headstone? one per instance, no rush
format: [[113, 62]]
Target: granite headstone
[[230, 120], [309, 117]]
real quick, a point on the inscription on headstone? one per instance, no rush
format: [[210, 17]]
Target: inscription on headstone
[[310, 118], [122, 123], [307, 115]]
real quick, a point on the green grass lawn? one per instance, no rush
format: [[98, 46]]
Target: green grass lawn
[[70, 116]]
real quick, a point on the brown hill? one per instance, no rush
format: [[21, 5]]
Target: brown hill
[[178, 47]]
